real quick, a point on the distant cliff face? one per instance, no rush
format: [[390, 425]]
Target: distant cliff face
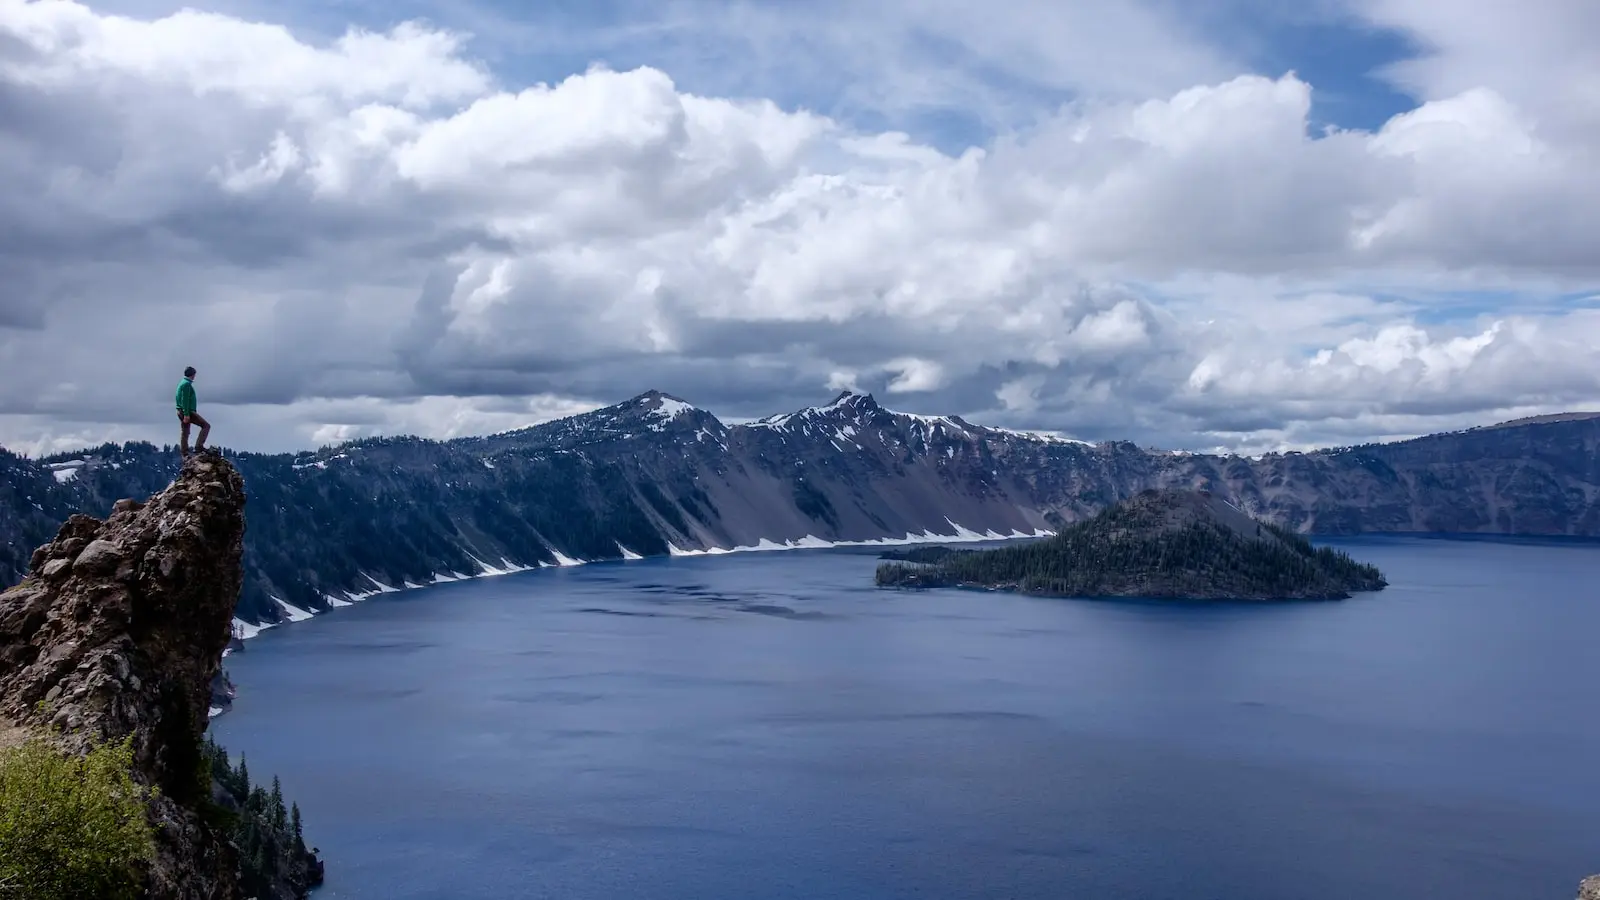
[[117, 630], [655, 474]]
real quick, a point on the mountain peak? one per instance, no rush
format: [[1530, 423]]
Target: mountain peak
[[652, 396], [853, 406], [854, 399], [662, 408], [1176, 508]]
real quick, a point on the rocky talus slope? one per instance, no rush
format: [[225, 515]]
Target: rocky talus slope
[[118, 629]]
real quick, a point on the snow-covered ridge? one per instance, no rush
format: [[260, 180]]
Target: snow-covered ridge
[[1048, 437], [838, 420], [847, 401], [860, 404]]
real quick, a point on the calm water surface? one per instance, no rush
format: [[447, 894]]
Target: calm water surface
[[768, 725]]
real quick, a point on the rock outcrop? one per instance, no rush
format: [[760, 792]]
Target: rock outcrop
[[118, 629], [1589, 888]]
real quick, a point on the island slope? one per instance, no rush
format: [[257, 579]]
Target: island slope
[[1174, 544]]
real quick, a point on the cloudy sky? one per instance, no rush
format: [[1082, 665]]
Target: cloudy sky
[[1244, 227]]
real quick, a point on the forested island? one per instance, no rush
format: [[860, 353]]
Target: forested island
[[1169, 544]]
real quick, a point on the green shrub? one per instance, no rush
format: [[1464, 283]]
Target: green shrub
[[71, 827]]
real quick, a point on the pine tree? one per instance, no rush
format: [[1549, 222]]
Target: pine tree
[[279, 821], [299, 837]]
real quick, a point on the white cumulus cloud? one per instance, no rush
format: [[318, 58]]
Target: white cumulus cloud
[[380, 233]]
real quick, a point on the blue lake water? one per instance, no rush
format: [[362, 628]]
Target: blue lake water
[[769, 725]]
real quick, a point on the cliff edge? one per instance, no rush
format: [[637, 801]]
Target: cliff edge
[[117, 630]]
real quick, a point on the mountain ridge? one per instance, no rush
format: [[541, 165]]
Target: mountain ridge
[[655, 475]]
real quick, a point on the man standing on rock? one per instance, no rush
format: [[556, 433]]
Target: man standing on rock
[[187, 415]]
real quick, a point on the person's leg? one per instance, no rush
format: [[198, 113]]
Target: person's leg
[[183, 442], [205, 429]]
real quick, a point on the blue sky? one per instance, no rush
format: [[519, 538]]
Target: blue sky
[[740, 49], [1341, 56]]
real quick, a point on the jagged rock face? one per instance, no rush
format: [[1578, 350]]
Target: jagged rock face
[[118, 629], [656, 473], [1589, 888]]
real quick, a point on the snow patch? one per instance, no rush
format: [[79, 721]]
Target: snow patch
[[812, 542], [66, 474], [671, 408], [1045, 437], [295, 613], [667, 409], [248, 630], [485, 568], [967, 534]]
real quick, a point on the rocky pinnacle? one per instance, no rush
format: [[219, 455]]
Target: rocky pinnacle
[[117, 630]]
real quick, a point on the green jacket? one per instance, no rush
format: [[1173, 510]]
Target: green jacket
[[186, 397]]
